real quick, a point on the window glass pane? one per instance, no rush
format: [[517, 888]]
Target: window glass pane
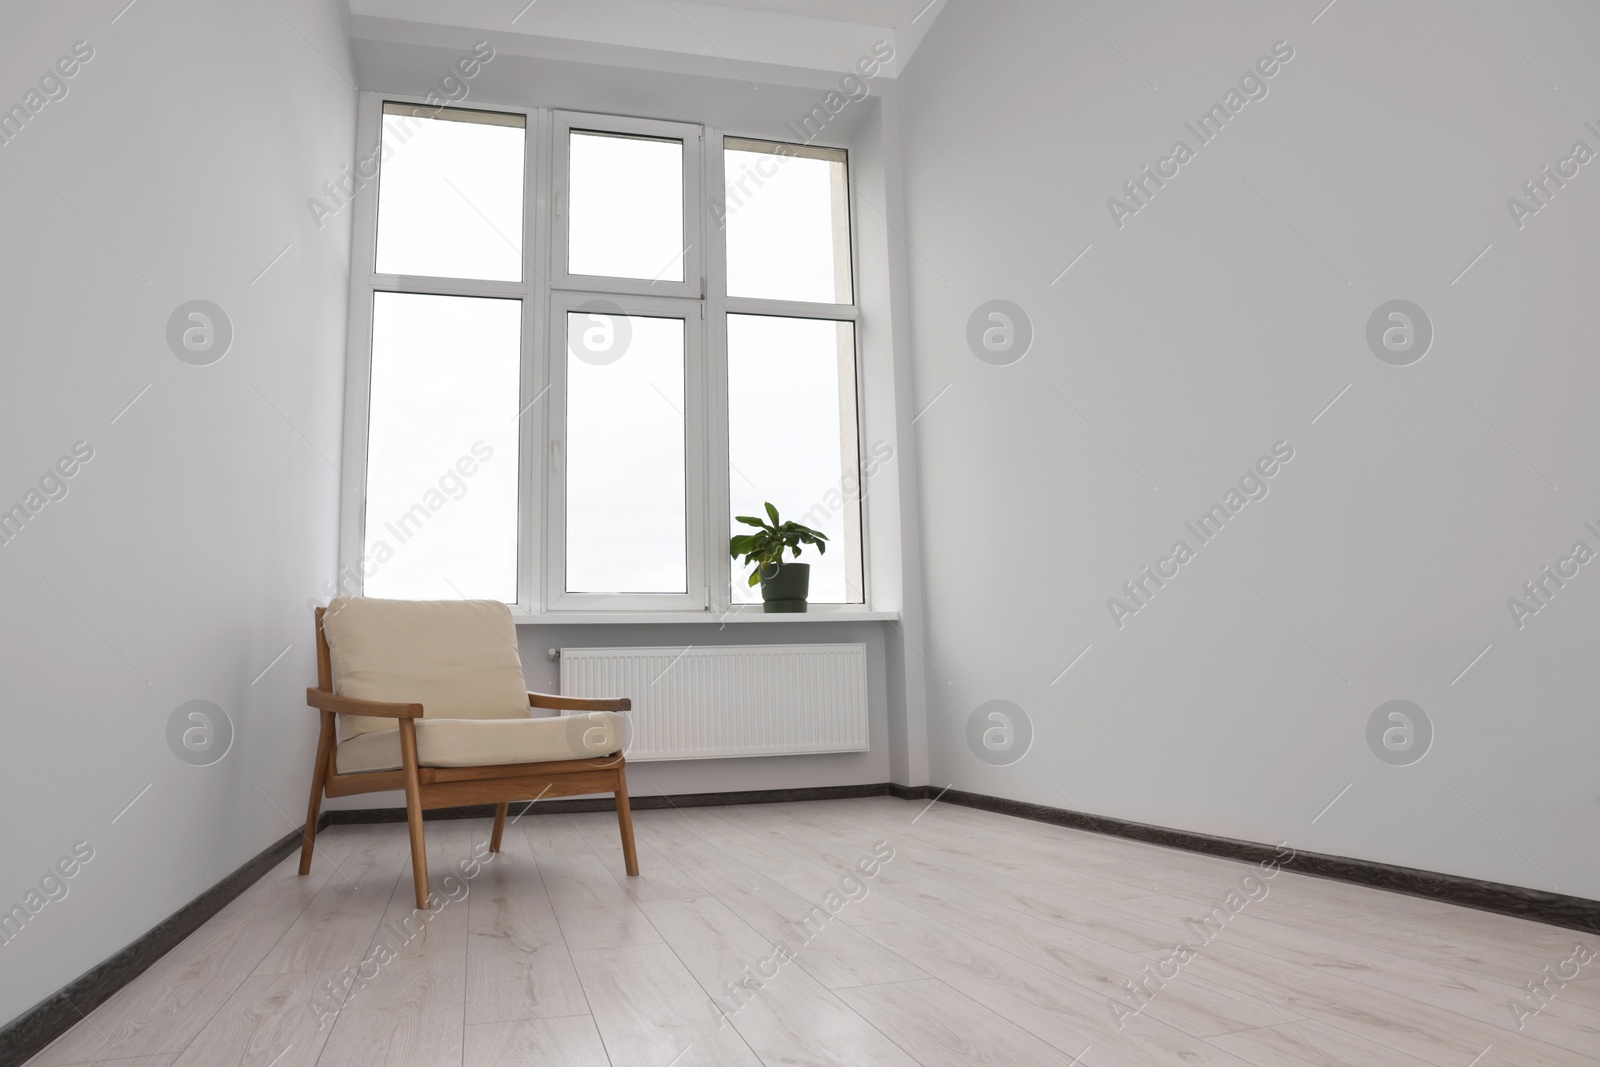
[[441, 508], [450, 193], [792, 441], [787, 219], [626, 522], [626, 207]]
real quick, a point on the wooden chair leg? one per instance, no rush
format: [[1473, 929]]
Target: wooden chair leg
[[630, 857], [419, 847], [319, 779], [499, 826]]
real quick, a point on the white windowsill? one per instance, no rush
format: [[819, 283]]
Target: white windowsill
[[818, 613]]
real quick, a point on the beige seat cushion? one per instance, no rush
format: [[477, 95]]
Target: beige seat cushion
[[457, 658], [487, 742]]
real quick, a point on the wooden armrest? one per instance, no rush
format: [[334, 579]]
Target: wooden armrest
[[560, 703], [378, 709]]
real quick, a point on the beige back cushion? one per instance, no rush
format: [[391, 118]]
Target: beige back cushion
[[457, 658]]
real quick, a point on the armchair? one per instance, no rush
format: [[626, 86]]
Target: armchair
[[430, 699]]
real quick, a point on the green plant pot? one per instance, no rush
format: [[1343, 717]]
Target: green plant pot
[[785, 590]]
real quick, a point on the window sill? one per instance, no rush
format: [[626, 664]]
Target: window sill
[[819, 613]]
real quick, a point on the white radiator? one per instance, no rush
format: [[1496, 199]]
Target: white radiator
[[746, 700]]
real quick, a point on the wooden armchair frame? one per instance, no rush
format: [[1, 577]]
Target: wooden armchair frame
[[440, 787]]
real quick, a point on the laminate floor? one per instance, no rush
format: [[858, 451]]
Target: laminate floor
[[850, 933]]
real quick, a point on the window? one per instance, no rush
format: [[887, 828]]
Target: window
[[627, 207], [440, 513], [441, 502], [450, 202], [792, 422], [586, 344], [624, 435], [794, 198], [792, 438]]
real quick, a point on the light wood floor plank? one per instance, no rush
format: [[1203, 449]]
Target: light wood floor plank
[[836, 954], [986, 940], [570, 1041], [594, 911], [163, 1009], [784, 1014], [335, 930], [1046, 1005], [518, 967], [1438, 1036], [677, 834], [655, 883], [270, 1021], [1191, 1004], [1132, 932], [1309, 1044], [600, 831], [552, 834], [1477, 992], [652, 1013], [942, 1028], [412, 1011], [816, 881], [1087, 875]]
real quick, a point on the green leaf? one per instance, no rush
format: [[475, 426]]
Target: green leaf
[[765, 547]]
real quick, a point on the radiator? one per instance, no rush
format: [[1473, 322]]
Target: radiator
[[747, 700]]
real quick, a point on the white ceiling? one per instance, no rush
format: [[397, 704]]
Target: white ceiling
[[819, 35], [892, 13]]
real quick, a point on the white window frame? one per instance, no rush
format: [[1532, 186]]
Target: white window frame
[[693, 284], [547, 292], [365, 281], [719, 306], [694, 598]]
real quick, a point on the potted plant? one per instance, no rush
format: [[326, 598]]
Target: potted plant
[[783, 585]]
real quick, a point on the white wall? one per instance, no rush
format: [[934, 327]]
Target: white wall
[[727, 38], [1220, 319], [179, 563]]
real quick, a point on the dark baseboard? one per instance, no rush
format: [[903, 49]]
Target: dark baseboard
[[53, 1016], [1555, 909], [637, 803]]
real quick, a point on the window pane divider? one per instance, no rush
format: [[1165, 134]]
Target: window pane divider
[[790, 309], [409, 283], [714, 265]]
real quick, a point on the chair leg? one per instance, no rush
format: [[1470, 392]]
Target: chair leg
[[319, 779], [499, 826], [630, 857], [419, 847]]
